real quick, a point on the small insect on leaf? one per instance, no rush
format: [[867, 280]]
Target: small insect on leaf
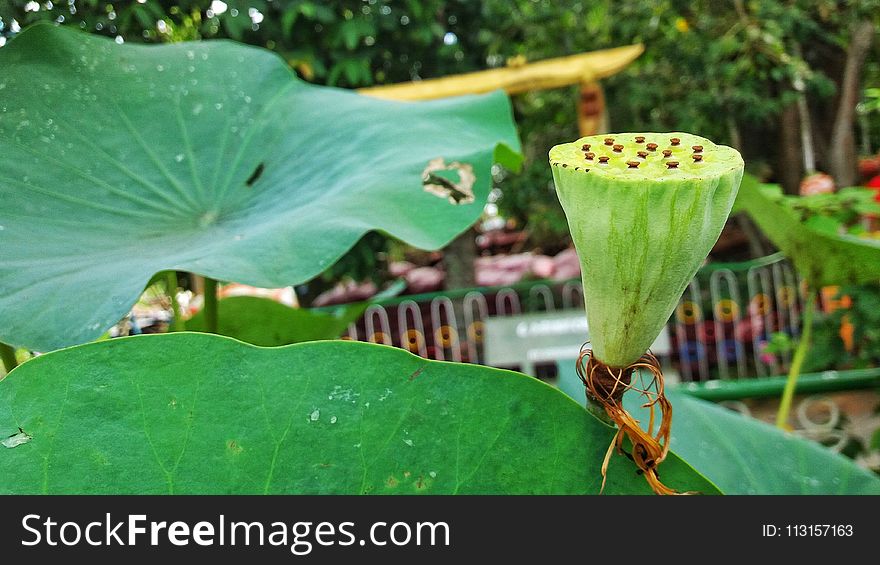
[[16, 439], [255, 175]]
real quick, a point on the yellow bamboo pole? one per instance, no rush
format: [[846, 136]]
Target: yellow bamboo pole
[[549, 73]]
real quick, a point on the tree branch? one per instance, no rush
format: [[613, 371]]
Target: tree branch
[[843, 147]]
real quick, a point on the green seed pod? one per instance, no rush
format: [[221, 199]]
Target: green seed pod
[[642, 226]]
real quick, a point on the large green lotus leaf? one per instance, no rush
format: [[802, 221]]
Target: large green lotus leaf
[[745, 456], [221, 416], [265, 322], [825, 258], [119, 161]]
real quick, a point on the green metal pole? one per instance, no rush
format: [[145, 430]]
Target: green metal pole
[[210, 305]]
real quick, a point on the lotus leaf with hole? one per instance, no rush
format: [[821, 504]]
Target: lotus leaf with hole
[[120, 161]]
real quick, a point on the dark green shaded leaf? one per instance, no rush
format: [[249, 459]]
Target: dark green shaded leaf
[[265, 322], [220, 416], [745, 456], [823, 257]]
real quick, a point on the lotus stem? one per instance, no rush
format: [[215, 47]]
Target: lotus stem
[[597, 409], [7, 355], [800, 353], [210, 305], [176, 324]]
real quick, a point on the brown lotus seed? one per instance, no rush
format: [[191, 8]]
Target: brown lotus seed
[[671, 164], [633, 164], [667, 152], [618, 148], [609, 141], [640, 139], [697, 148], [651, 146], [675, 141], [642, 154], [603, 159], [585, 147], [589, 156], [697, 157]]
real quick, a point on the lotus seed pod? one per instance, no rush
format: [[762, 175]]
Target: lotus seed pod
[[642, 226]]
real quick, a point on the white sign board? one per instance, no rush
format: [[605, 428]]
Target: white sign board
[[543, 337]]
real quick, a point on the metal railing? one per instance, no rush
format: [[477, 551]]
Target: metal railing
[[719, 330]]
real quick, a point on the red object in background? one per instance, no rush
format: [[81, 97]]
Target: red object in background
[[425, 279], [875, 184], [817, 183], [500, 270], [400, 268], [499, 239], [567, 265], [869, 166], [749, 327], [543, 266], [346, 292]]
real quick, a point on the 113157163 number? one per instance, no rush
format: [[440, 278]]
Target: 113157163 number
[[807, 530]]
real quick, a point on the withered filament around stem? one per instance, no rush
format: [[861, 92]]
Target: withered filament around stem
[[606, 386]]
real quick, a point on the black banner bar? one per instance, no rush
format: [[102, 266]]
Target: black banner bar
[[325, 529]]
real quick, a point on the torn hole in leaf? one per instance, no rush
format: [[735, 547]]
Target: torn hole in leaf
[[17, 439], [453, 182]]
